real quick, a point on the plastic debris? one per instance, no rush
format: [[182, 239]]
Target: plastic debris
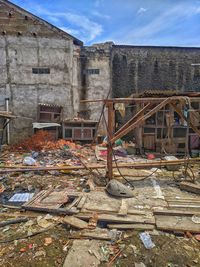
[[29, 161], [195, 219], [115, 235], [21, 197], [146, 239]]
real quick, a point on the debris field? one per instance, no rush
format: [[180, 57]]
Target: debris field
[[57, 210]]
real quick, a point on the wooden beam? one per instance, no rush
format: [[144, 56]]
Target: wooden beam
[[133, 119], [190, 187], [138, 99], [135, 226], [110, 126], [142, 119], [142, 165]]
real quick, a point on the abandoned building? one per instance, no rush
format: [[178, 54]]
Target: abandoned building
[[45, 73]]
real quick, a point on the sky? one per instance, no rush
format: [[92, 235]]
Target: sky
[[130, 22]]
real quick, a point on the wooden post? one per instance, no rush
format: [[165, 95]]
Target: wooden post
[[111, 126]]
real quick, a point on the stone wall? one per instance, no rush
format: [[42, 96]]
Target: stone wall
[[137, 68]]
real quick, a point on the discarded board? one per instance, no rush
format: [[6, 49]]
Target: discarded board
[[176, 223], [75, 222], [100, 234], [52, 201], [134, 226], [111, 218], [176, 212], [190, 187], [123, 210], [82, 202]]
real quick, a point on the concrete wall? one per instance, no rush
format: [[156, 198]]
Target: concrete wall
[[96, 86], [26, 43], [18, 55], [135, 69]]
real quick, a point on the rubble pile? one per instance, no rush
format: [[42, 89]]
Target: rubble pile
[[57, 211]]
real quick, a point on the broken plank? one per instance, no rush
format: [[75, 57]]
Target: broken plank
[[113, 211], [81, 202], [184, 205], [117, 219], [176, 223], [14, 221], [75, 222], [101, 234], [134, 226], [176, 212], [190, 187], [123, 210]]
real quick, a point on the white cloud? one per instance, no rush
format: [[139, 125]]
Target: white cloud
[[80, 25], [88, 28], [141, 10], [164, 20], [70, 31]]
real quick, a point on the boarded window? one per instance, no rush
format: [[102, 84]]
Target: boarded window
[[40, 70], [92, 71]]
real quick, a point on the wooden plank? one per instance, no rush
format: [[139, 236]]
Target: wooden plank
[[7, 169], [75, 222], [139, 100], [183, 205], [177, 223], [142, 119], [82, 202], [123, 210], [111, 210], [176, 212], [190, 187], [117, 219], [134, 226], [140, 112], [100, 234]]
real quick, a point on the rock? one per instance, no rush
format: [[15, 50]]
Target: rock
[[84, 253], [43, 222], [140, 264], [40, 253]]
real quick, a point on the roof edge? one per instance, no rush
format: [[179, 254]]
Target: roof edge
[[48, 24], [155, 46]]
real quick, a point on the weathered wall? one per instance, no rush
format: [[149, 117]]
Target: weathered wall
[[19, 53], [96, 86], [136, 68]]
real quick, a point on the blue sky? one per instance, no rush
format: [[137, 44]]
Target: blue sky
[[147, 22]]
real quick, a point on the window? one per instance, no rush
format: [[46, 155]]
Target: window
[[92, 71], [40, 70]]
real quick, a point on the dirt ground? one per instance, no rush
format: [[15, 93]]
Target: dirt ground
[[169, 250]]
